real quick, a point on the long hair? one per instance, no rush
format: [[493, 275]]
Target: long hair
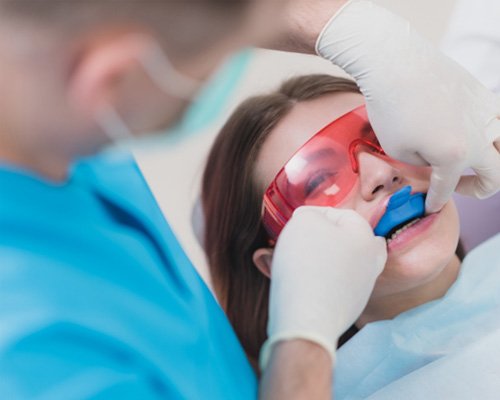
[[231, 201]]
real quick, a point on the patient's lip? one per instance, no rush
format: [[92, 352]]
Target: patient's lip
[[406, 237], [380, 211]]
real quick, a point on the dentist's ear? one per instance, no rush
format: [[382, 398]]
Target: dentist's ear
[[263, 258], [100, 70]]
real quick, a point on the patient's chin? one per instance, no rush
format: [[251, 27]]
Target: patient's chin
[[409, 275]]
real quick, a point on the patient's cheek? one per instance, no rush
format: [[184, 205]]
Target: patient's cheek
[[454, 221]]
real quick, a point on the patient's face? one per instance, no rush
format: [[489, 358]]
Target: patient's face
[[415, 256]]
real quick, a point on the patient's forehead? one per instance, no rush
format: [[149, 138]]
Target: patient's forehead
[[297, 127]]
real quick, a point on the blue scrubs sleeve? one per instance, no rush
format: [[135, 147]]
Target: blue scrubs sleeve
[[98, 299], [67, 361]]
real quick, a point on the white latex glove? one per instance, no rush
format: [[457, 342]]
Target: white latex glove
[[424, 107], [324, 268]]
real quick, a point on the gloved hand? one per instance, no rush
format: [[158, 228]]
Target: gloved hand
[[324, 268], [424, 107]]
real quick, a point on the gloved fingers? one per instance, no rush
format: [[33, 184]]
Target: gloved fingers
[[381, 243], [493, 131], [338, 216], [444, 180], [408, 157], [486, 182], [346, 218]]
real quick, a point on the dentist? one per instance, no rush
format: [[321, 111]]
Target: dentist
[[98, 298]]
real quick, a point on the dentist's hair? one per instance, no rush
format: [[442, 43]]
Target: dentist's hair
[[188, 24], [64, 10]]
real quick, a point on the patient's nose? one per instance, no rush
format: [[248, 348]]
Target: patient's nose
[[377, 176]]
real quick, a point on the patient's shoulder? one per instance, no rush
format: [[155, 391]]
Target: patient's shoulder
[[487, 253], [479, 277]]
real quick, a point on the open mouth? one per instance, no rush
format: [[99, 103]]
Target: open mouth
[[394, 232], [403, 210]]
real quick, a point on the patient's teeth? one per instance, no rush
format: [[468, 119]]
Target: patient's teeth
[[402, 229]]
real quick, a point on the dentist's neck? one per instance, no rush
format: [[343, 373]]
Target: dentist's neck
[[41, 160], [388, 307]]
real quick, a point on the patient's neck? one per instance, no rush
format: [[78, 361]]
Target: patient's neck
[[388, 307]]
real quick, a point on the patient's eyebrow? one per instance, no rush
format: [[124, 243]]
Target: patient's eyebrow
[[326, 152], [365, 130]]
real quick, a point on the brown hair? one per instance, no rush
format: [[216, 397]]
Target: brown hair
[[232, 201], [189, 25]]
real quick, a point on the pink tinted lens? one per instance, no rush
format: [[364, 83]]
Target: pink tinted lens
[[322, 172]]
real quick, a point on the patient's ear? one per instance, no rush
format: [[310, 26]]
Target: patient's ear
[[263, 258]]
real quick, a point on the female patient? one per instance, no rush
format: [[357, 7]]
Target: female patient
[[423, 261]]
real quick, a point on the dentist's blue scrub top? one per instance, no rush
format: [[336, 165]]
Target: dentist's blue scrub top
[[98, 300]]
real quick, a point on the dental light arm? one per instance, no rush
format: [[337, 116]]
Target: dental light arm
[[424, 108]]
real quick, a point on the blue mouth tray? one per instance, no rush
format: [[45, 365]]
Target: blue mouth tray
[[403, 206]]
